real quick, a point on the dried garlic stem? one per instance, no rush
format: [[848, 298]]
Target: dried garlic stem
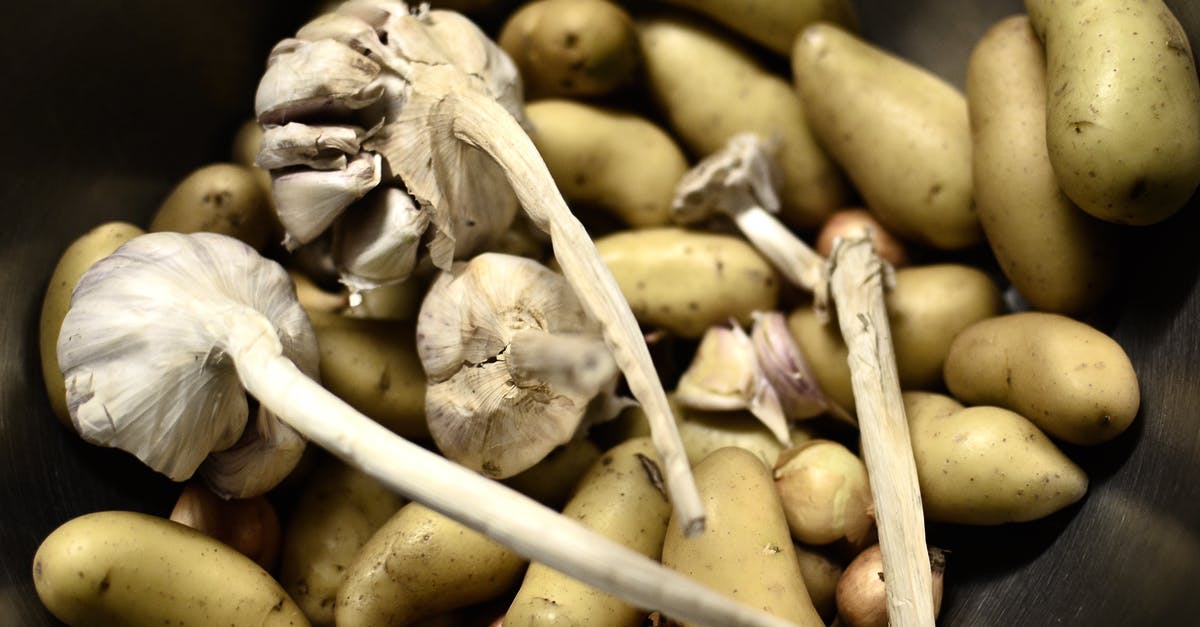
[[493, 509], [790, 255], [485, 124], [857, 287]]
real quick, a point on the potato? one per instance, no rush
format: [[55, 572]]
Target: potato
[[901, 133], [710, 89], [1073, 381], [571, 47], [619, 162], [821, 574], [1059, 258], [774, 23], [621, 497], [986, 465], [1123, 108], [246, 143], [91, 247], [927, 308], [420, 564], [131, 569], [373, 366], [704, 432], [551, 481], [223, 198], [337, 512], [685, 281], [745, 551]]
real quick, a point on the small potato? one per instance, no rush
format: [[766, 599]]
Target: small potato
[[821, 574], [420, 564], [927, 308], [621, 497], [986, 465], [1073, 381], [93, 246], [745, 551], [618, 162], [223, 198], [712, 88], [774, 23], [684, 281], [571, 47], [901, 133], [1059, 258], [1123, 108], [338, 511], [551, 481], [131, 569], [373, 366]]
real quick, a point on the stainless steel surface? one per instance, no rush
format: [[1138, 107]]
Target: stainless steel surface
[[107, 104]]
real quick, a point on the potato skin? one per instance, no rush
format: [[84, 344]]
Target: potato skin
[[986, 465], [685, 281], [616, 161], [419, 564], [223, 198], [338, 511], [1059, 258], [131, 569], [91, 247], [576, 48], [711, 89], [1123, 111], [1071, 380], [774, 23], [901, 133], [619, 499], [745, 532]]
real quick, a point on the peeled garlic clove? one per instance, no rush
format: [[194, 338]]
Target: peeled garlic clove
[[785, 368], [721, 375], [308, 201], [319, 147], [377, 242], [307, 78]]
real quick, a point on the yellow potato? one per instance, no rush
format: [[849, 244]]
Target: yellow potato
[[338, 511], [821, 574], [774, 23], [901, 133], [135, 570], [223, 198], [551, 481], [246, 143], [711, 88], [1073, 381], [986, 465], [93, 246], [420, 564], [621, 497], [745, 551], [685, 281], [1058, 257], [619, 162], [571, 47], [1123, 108]]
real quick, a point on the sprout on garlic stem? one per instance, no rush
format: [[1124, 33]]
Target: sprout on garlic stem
[[444, 103], [162, 336]]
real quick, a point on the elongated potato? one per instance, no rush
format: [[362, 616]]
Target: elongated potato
[[745, 551], [711, 89], [338, 511], [621, 497], [900, 132], [420, 564], [1123, 109], [684, 281], [223, 198], [986, 465], [774, 23], [1059, 258], [131, 569], [615, 161], [1073, 381], [91, 247], [552, 480], [927, 308]]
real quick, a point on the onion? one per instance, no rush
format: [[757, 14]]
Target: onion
[[861, 596], [848, 223]]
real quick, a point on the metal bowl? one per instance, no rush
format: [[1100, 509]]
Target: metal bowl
[[108, 104]]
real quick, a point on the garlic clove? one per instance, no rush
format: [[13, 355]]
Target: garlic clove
[[323, 147], [262, 458], [308, 201], [785, 369], [721, 375], [308, 78], [377, 241]]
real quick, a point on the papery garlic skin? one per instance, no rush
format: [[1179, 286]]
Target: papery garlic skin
[[721, 375], [786, 370]]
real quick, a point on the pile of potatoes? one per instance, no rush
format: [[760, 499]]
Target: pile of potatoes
[[1038, 168]]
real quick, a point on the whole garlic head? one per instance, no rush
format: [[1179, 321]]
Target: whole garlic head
[[513, 362]]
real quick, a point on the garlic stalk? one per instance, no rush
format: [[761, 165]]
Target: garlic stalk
[[160, 334], [447, 102]]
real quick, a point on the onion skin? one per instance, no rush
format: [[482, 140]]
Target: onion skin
[[861, 596], [854, 222], [251, 526]]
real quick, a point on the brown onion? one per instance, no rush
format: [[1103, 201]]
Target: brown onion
[[861, 596], [249, 525], [849, 223]]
